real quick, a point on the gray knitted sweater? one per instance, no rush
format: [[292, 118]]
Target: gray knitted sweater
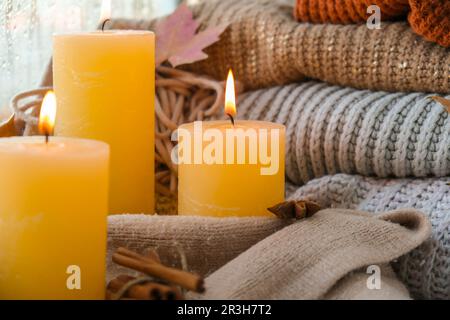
[[331, 129]]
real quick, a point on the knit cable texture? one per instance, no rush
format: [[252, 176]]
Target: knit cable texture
[[332, 129], [265, 46], [431, 19], [353, 11], [426, 270]]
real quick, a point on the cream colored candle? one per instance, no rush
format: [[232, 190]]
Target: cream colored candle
[[105, 84], [230, 168], [53, 212]]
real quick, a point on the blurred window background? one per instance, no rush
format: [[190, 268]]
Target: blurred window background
[[26, 29]]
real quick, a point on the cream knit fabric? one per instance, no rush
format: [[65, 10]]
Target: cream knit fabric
[[426, 270], [309, 259], [332, 129]]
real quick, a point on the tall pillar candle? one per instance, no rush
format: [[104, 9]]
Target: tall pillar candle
[[53, 215], [105, 84]]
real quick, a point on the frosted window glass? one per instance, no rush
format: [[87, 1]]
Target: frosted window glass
[[26, 29]]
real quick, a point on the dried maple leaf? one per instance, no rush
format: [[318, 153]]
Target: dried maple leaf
[[443, 101], [177, 41]]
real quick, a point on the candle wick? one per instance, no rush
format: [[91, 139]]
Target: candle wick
[[104, 24], [231, 118]]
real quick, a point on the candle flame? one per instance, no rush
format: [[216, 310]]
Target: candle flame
[[106, 11], [48, 114], [230, 96]]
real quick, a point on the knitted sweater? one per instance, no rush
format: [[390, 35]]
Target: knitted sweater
[[429, 18], [338, 11], [321, 257], [331, 129], [426, 270], [265, 46], [306, 260]]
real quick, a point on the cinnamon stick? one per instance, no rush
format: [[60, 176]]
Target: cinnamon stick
[[145, 291], [184, 279], [153, 258]]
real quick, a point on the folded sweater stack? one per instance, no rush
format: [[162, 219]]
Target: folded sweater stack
[[332, 129]]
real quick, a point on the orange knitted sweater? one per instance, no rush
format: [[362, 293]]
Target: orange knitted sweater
[[428, 18]]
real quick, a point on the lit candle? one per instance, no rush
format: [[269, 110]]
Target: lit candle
[[53, 212], [105, 84], [230, 168]]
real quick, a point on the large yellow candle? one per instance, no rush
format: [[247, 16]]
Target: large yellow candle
[[230, 168], [243, 180], [105, 84], [53, 212]]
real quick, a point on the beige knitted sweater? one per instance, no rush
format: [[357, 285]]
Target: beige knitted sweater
[[325, 256], [265, 46]]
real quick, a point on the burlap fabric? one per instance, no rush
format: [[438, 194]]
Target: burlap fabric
[[321, 257]]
